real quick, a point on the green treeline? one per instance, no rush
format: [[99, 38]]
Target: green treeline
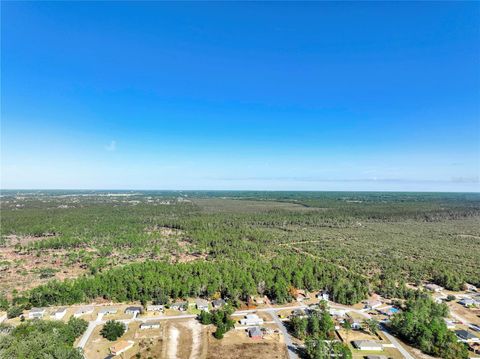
[[422, 324], [233, 279], [220, 318], [317, 329]]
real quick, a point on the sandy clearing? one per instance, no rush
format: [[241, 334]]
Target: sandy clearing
[[173, 342], [196, 329]]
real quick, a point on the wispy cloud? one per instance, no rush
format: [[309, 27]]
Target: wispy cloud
[[112, 146]]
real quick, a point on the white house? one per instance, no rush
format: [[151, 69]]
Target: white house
[[323, 295], [471, 287], [59, 313], [201, 304], [36, 313], [106, 311], [251, 320], [337, 312], [433, 287], [155, 308], [153, 324], [133, 310], [182, 306], [82, 311], [369, 345]]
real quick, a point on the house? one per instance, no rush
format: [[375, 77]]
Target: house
[[468, 302], [201, 304], [466, 337], [59, 313], [36, 313], [152, 324], [133, 310], [433, 287], [181, 306], [218, 303], [470, 287], [121, 347], [82, 311], [367, 345], [323, 295], [337, 312], [106, 311], [255, 333], [251, 320], [155, 308], [258, 300], [474, 327]]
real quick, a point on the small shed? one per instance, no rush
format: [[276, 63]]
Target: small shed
[[255, 333]]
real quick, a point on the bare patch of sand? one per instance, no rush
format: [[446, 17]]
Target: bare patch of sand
[[173, 334]]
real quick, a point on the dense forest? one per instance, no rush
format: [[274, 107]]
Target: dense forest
[[238, 243], [232, 279]]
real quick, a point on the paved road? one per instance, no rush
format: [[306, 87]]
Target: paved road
[[397, 345], [286, 335], [91, 326]]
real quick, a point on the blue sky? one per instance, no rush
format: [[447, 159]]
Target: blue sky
[[292, 96]]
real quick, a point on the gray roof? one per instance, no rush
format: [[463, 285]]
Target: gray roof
[[84, 309], [254, 331], [37, 310], [133, 309], [108, 310], [59, 310], [200, 301], [150, 323], [218, 302], [465, 334], [179, 303]]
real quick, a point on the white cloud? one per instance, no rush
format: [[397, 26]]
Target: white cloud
[[112, 146]]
